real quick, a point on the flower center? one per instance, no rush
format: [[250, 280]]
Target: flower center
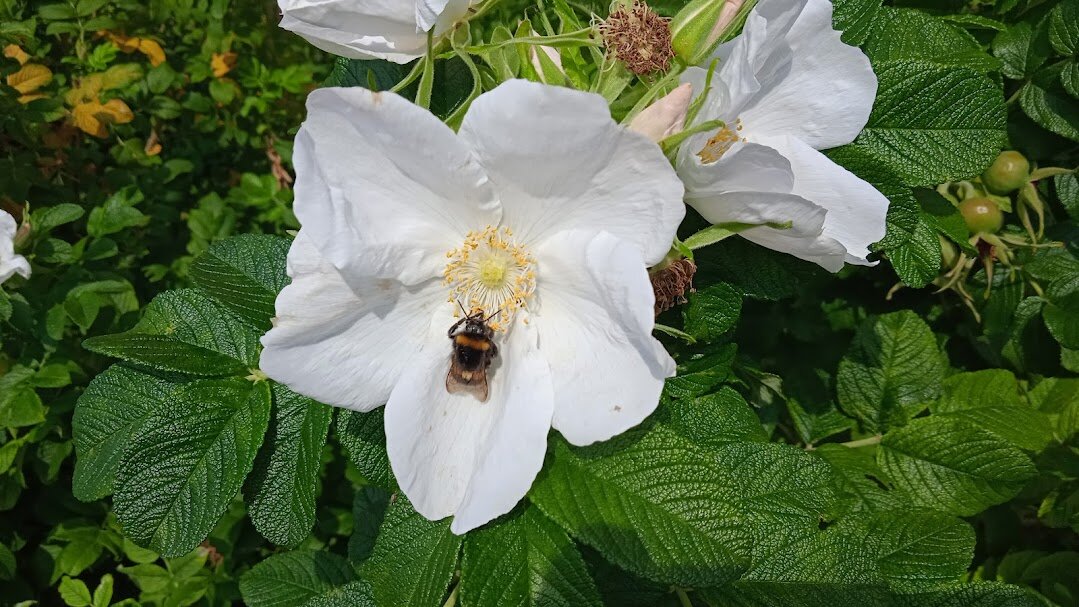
[[489, 272], [721, 142]]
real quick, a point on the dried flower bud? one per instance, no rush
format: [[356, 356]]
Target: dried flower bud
[[639, 38], [672, 283]]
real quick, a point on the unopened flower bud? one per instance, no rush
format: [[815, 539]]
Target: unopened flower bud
[[639, 38], [549, 65], [664, 117], [700, 25]]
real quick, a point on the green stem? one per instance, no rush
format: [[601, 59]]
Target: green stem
[[651, 94], [675, 333], [409, 78], [683, 598], [452, 599], [864, 442]]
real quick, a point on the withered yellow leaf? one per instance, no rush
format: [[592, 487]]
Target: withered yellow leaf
[[222, 63], [24, 99], [29, 78], [14, 51], [87, 90], [93, 117], [146, 46]]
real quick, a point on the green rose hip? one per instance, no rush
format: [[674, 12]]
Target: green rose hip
[[1009, 172], [982, 215]]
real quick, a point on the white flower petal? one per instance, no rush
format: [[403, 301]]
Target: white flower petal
[[383, 187], [452, 454], [745, 167], [856, 210], [394, 30], [813, 86], [339, 346], [805, 238], [595, 325], [558, 161], [10, 263]]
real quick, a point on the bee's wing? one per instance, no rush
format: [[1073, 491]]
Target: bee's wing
[[476, 386]]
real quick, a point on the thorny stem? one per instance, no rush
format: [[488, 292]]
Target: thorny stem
[[683, 598], [864, 442]]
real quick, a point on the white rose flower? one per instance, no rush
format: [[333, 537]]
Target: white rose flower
[[786, 87], [543, 213], [395, 30], [10, 263]]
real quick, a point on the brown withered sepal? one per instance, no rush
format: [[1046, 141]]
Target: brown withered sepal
[[672, 283], [638, 37]]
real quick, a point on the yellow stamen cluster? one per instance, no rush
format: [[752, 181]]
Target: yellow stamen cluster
[[490, 272], [721, 142]]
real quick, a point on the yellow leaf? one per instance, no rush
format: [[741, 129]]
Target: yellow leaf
[[87, 90], [24, 99], [152, 50], [85, 117], [116, 111], [146, 46], [93, 117], [14, 51], [119, 76], [222, 63], [29, 78]]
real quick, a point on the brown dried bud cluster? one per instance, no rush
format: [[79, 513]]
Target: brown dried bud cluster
[[638, 37], [672, 283]]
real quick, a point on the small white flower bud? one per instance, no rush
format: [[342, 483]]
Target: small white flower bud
[[664, 117]]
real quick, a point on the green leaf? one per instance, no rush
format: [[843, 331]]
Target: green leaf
[[281, 487], [103, 592], [353, 594], [891, 370], [652, 503], [857, 19], [117, 213], [291, 578], [44, 220], [1022, 49], [413, 559], [716, 419], [112, 408], [75, 593], [1047, 103], [368, 510], [932, 124], [524, 561], [919, 548], [245, 274], [953, 466], [989, 399], [373, 74], [7, 563], [184, 331], [19, 403], [364, 439], [754, 270], [187, 461], [712, 311], [1064, 27], [911, 34], [1058, 398]]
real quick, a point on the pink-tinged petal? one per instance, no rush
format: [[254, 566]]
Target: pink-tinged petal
[[558, 161], [383, 187], [664, 117], [595, 322], [455, 455], [341, 346]]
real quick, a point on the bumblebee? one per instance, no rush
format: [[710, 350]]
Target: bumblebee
[[473, 351]]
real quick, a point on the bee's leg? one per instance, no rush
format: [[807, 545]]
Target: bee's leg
[[494, 352], [454, 327]]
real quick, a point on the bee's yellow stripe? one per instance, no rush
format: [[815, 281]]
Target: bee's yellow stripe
[[472, 342]]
